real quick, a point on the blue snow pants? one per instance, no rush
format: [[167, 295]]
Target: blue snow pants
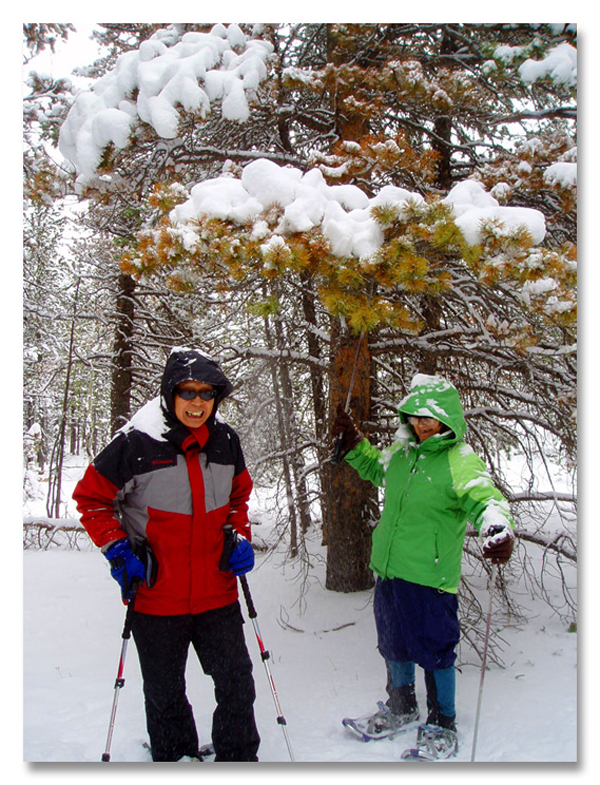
[[419, 624]]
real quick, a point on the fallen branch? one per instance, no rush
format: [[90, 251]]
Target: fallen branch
[[40, 533]]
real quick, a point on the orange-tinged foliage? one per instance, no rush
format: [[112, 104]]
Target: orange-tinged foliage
[[422, 252]]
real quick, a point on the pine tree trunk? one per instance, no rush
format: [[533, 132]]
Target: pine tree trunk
[[432, 313], [283, 437], [318, 393], [291, 439], [348, 525], [120, 398], [442, 127], [58, 453], [346, 530]]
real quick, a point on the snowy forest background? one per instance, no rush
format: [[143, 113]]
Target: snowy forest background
[[142, 232]]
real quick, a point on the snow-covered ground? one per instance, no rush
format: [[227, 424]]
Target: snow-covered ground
[[324, 664]]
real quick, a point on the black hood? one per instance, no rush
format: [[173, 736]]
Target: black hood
[[184, 364]]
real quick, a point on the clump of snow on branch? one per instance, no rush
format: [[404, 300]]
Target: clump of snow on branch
[[474, 207], [159, 81], [559, 64], [563, 173], [343, 213]]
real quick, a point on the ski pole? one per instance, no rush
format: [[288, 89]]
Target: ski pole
[[120, 680], [337, 454], [264, 653], [484, 659]]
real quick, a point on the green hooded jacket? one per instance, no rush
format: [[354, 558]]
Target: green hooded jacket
[[432, 489]]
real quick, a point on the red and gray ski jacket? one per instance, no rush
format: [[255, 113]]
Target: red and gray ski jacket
[[174, 488]]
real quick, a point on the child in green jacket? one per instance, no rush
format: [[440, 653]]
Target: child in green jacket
[[434, 483]]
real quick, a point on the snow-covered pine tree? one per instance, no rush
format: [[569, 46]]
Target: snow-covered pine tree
[[428, 105]]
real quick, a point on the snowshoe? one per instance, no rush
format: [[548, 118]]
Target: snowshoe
[[433, 743], [205, 751], [383, 724]]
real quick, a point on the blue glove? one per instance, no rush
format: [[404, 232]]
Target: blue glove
[[241, 560], [125, 567]]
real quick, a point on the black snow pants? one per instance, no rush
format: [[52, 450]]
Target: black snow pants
[[217, 636]]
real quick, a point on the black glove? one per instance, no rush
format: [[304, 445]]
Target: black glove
[[344, 428], [498, 545]]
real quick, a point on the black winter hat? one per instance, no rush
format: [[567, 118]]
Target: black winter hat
[[189, 364]]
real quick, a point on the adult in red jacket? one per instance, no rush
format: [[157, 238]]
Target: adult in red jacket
[[155, 500]]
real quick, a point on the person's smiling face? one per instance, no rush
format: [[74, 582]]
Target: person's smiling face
[[425, 427], [196, 412]]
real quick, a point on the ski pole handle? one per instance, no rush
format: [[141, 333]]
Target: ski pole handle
[[130, 606], [228, 543], [348, 437], [338, 450]]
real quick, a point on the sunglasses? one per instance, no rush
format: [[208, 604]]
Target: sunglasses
[[426, 421], [189, 395]]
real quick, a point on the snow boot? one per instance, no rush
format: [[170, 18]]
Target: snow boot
[[403, 701], [434, 713], [442, 734], [436, 718]]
